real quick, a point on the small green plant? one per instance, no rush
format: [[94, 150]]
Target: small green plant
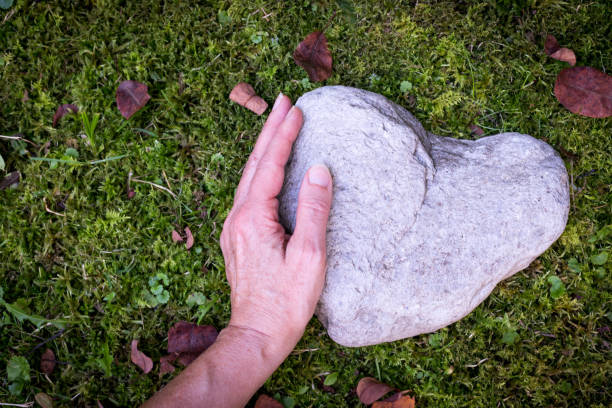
[[105, 361], [6, 4], [157, 294], [557, 288], [18, 374], [204, 305], [89, 125]]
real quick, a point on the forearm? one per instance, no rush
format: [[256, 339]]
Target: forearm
[[227, 374]]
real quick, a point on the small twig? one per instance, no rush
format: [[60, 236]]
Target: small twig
[[55, 336], [135, 180], [26, 405], [308, 350], [50, 210], [477, 364], [265, 15], [166, 178], [9, 15], [19, 138]]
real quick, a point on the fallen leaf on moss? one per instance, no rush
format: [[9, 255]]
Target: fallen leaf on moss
[[44, 400], [398, 400], [140, 359], [185, 337], [565, 55], [165, 364], [585, 91], [265, 401], [10, 179], [551, 45], [476, 130], [62, 111], [244, 95], [313, 55], [176, 237], [370, 389], [47, 362], [131, 97], [190, 239], [552, 49]]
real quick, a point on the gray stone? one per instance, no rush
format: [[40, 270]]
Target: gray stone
[[422, 227]]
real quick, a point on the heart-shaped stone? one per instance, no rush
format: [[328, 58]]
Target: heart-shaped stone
[[422, 227]]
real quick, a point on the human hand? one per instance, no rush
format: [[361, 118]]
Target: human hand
[[276, 279]]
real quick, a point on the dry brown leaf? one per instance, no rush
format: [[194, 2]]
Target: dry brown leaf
[[552, 49], [131, 97], [313, 55], [399, 400], [62, 111], [185, 337], [187, 358], [165, 365], [140, 359], [265, 401], [565, 55], [244, 95], [370, 389], [551, 45], [44, 400], [476, 130], [176, 237], [10, 180], [190, 239], [585, 91], [47, 362]]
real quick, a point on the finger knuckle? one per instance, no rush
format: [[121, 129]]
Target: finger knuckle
[[312, 253], [315, 206]]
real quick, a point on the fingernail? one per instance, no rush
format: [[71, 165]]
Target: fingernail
[[319, 175], [291, 112], [277, 101]]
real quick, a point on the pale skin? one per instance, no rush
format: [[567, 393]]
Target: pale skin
[[275, 278]]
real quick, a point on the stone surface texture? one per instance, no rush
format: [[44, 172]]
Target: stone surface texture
[[422, 227]]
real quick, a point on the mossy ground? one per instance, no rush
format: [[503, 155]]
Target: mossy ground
[[467, 63]]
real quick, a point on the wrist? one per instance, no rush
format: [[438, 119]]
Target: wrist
[[271, 349]]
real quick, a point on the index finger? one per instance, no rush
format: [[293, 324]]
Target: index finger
[[270, 173], [276, 118]]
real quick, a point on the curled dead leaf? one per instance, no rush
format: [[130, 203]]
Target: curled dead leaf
[[10, 180], [244, 95], [370, 389], [585, 91], [476, 130], [62, 111], [552, 49], [140, 359], [190, 239], [565, 55], [165, 364], [176, 237], [131, 97], [185, 337], [313, 55], [265, 401], [551, 45], [47, 362], [44, 400], [398, 400]]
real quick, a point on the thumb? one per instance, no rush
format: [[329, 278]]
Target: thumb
[[314, 202]]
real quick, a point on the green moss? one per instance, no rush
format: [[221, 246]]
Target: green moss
[[467, 63]]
